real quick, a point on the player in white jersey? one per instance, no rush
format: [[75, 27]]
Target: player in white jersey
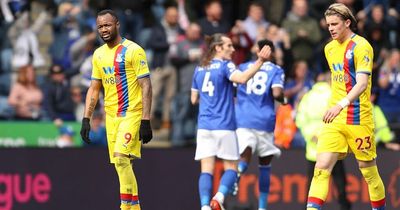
[[212, 88], [255, 117]]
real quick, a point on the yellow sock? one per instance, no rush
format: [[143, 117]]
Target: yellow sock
[[135, 207], [135, 198], [126, 178], [318, 189], [376, 188]]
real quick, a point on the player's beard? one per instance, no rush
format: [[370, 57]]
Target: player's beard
[[112, 37]]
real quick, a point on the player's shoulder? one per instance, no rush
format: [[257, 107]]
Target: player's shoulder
[[361, 42], [99, 52], [330, 45], [132, 46]]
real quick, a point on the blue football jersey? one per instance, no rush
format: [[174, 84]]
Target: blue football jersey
[[255, 103], [216, 109]]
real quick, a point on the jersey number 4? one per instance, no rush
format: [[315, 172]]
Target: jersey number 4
[[208, 85], [257, 84]]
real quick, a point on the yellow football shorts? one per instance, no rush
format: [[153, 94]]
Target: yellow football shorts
[[343, 138], [123, 135]]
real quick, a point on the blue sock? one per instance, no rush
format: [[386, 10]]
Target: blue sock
[[242, 166], [263, 186], [205, 187], [227, 181]]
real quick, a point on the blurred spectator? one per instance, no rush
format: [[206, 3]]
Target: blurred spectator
[[213, 23], [66, 30], [163, 42], [80, 51], [189, 52], [23, 37], [383, 133], [389, 84], [255, 21], [25, 95], [299, 84], [10, 9], [58, 101], [97, 133], [241, 42], [303, 30], [130, 16], [376, 30], [281, 40], [66, 136], [79, 105]]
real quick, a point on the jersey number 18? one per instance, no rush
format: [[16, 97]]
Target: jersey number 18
[[257, 84]]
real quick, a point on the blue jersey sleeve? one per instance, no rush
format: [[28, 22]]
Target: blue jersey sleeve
[[229, 69], [194, 84], [279, 78]]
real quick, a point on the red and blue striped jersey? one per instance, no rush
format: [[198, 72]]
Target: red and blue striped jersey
[[346, 60], [119, 68]]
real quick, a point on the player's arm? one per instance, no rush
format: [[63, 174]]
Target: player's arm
[[277, 93], [194, 97], [145, 84], [92, 96], [359, 88], [242, 77]]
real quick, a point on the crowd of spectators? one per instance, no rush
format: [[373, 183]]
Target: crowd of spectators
[[44, 75]]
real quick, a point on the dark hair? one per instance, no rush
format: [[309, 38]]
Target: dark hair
[[211, 42], [343, 12], [261, 43], [209, 2], [108, 11]]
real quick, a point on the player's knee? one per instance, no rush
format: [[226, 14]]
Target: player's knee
[[122, 163]]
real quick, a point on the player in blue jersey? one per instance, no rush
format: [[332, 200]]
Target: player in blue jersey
[[212, 88], [255, 118]]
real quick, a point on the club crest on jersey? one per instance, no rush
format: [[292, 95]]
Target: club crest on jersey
[[118, 58], [349, 54], [231, 66]]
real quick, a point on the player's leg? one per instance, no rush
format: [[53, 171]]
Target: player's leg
[[266, 151], [135, 205], [245, 158], [320, 181], [264, 181], [205, 182], [228, 179], [362, 143], [228, 151], [128, 147], [112, 124], [126, 177], [332, 144], [247, 143], [206, 150], [339, 178], [376, 188]]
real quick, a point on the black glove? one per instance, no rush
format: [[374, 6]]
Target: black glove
[[85, 130], [145, 132]]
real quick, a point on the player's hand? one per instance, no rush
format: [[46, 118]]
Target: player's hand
[[85, 129], [264, 53], [332, 113], [145, 132]]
